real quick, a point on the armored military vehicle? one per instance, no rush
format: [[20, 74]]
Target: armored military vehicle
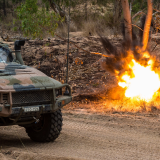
[[29, 98]]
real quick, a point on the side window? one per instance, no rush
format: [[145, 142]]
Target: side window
[[3, 56]]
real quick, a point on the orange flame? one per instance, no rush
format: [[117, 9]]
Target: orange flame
[[143, 84]]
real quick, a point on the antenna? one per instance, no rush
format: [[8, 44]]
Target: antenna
[[68, 42]]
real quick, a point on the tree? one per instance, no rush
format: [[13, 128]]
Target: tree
[[56, 8], [117, 10], [8, 5], [4, 8], [128, 26], [127, 20], [147, 24], [35, 22]]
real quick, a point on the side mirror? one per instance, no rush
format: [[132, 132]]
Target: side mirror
[[18, 44]]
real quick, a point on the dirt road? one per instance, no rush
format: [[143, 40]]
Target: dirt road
[[89, 137]]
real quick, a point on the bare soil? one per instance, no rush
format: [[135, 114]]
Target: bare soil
[[89, 136]]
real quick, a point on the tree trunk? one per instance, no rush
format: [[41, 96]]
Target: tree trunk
[[4, 8], [147, 25], [57, 9], [117, 11], [127, 20], [86, 14]]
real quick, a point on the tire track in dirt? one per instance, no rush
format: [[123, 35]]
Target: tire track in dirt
[[89, 136]]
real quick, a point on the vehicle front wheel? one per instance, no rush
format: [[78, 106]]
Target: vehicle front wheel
[[47, 129]]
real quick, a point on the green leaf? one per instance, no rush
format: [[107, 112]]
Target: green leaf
[[36, 22]]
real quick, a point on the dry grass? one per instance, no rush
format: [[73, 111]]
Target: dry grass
[[62, 29], [92, 27], [110, 105], [10, 26], [99, 18], [88, 28]]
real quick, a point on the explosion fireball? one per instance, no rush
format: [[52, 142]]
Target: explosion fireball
[[143, 83], [134, 67]]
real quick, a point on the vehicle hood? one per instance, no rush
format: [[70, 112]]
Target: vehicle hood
[[18, 77]]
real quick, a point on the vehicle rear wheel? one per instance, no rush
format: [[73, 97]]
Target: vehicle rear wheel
[[47, 129]]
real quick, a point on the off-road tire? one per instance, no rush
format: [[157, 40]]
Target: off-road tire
[[50, 126]]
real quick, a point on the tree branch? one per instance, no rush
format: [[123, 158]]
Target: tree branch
[[138, 13], [57, 9], [147, 25]]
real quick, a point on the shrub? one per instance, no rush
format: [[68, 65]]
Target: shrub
[[36, 22]]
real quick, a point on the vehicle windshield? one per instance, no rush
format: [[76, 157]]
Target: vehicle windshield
[[3, 56]]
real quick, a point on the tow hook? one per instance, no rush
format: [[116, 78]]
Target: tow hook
[[36, 120]]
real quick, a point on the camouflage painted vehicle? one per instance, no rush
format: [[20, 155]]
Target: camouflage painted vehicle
[[29, 98]]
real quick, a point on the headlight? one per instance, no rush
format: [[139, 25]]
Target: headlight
[[4, 98]]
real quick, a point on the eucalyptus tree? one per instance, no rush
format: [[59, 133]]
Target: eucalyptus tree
[[128, 24]]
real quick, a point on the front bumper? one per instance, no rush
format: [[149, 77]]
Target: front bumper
[[43, 100], [43, 108]]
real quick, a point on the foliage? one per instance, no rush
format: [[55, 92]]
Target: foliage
[[35, 21], [138, 5]]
